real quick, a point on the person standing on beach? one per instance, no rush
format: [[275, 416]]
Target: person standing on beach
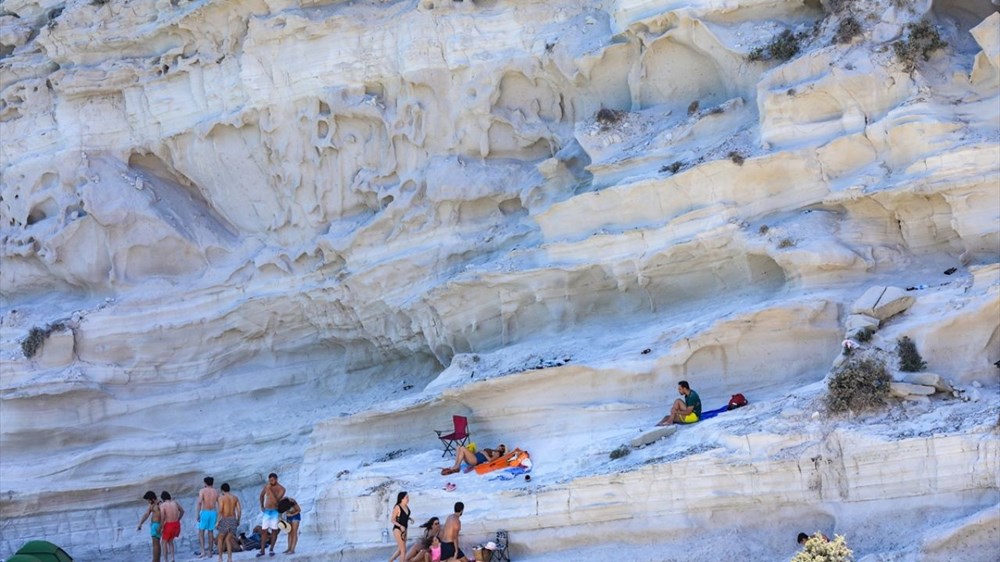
[[449, 536], [171, 512], [230, 513], [400, 522], [153, 514], [270, 495], [292, 512], [207, 517]]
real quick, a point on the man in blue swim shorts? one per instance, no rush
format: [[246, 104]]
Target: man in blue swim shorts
[[207, 517], [155, 530]]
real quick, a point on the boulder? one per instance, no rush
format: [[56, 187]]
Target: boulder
[[928, 379], [882, 302], [857, 322], [905, 389]]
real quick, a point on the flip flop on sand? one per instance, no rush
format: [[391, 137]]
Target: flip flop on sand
[[450, 487], [447, 471]]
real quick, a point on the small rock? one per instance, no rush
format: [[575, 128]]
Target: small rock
[[977, 384], [928, 379], [904, 389]]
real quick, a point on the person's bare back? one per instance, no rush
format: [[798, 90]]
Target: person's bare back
[[452, 527], [171, 511], [207, 498], [228, 505]]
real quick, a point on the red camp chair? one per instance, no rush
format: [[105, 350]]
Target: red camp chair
[[458, 436]]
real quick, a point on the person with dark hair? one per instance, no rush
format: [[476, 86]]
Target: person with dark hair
[[421, 549], [172, 512], [230, 513], [400, 521], [292, 513], [270, 495], [687, 410], [449, 537], [207, 517], [802, 538], [472, 459], [153, 514]]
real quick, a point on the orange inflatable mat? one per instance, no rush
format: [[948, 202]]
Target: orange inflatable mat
[[510, 460]]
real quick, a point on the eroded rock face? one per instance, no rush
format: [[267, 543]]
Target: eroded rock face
[[297, 236]]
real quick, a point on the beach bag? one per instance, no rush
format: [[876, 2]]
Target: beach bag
[[737, 401]]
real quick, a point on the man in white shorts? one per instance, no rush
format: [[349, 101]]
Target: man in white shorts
[[270, 495]]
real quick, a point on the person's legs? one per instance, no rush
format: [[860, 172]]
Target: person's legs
[[293, 536], [156, 549], [220, 544], [400, 545], [675, 413]]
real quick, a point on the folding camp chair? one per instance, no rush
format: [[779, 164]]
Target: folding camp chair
[[459, 435], [501, 554]]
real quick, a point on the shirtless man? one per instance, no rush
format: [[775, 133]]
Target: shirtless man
[[207, 517], [230, 513], [270, 495], [153, 511], [171, 512], [449, 536]]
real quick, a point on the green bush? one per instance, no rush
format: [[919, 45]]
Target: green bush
[[620, 452], [910, 360], [818, 549], [861, 383], [921, 40]]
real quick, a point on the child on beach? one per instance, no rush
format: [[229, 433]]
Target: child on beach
[[435, 549]]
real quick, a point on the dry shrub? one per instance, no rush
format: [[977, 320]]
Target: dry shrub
[[620, 452], [861, 383], [922, 39], [736, 157], [786, 243], [36, 337], [608, 117], [910, 360], [782, 47], [672, 168], [848, 29], [818, 549]]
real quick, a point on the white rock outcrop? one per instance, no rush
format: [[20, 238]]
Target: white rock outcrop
[[299, 235]]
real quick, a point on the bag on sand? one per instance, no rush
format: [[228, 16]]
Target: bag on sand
[[737, 401], [484, 552]]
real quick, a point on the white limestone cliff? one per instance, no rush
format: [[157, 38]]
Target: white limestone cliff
[[298, 235]]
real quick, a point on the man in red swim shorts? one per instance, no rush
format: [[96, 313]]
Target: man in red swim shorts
[[171, 513]]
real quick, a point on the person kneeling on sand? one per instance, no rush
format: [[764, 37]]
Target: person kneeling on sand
[[684, 411], [473, 459]]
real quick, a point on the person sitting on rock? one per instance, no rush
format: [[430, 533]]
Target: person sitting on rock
[[684, 411], [473, 459]]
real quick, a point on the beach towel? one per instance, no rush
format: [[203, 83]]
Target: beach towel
[[511, 459]]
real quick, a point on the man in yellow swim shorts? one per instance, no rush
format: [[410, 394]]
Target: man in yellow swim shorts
[[687, 410]]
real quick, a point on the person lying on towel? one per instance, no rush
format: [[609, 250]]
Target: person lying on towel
[[472, 459]]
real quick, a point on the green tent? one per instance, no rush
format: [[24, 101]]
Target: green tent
[[41, 551], [23, 558]]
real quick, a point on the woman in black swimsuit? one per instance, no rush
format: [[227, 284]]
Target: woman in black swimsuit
[[400, 521]]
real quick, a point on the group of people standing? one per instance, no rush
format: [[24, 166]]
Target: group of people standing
[[221, 513], [437, 544]]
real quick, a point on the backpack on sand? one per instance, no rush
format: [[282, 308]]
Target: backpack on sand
[[737, 401]]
